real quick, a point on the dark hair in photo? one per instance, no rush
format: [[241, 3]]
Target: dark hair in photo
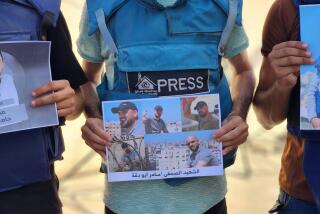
[[124, 145], [1, 56]]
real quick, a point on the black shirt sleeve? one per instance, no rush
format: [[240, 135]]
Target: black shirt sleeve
[[64, 64]]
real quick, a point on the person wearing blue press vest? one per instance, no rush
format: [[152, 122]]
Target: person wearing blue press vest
[[277, 98], [28, 183], [165, 48]]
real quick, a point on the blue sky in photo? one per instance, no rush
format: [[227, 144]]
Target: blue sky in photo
[[171, 108], [177, 137], [310, 32]]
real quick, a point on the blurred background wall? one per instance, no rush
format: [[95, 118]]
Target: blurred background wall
[[252, 181]]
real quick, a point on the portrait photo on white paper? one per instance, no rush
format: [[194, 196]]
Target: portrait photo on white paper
[[24, 66]]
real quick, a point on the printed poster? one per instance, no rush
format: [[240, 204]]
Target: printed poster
[[167, 137], [310, 74], [24, 66]]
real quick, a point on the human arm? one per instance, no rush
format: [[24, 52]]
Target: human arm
[[234, 130], [89, 48], [186, 108], [92, 131], [278, 76], [204, 158], [92, 103], [145, 118], [282, 57], [201, 163], [93, 71], [189, 162], [146, 122], [165, 130], [92, 65]]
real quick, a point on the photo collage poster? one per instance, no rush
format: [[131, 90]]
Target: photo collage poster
[[166, 137]]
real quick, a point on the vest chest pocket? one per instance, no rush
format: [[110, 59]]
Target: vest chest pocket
[[15, 36], [196, 18]]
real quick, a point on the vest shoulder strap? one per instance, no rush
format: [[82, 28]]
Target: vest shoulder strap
[[233, 9], [104, 32], [225, 6], [109, 8], [100, 11]]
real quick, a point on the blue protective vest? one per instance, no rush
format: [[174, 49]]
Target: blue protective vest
[[311, 157], [25, 156], [189, 35]]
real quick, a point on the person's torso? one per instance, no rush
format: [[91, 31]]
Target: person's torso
[[164, 52], [291, 176], [156, 125], [201, 154], [137, 130], [126, 197], [25, 155], [192, 159], [208, 123]]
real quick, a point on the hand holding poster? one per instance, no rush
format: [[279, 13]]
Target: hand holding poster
[[163, 138], [24, 66]]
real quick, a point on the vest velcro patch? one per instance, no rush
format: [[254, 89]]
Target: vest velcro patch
[[168, 83]]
